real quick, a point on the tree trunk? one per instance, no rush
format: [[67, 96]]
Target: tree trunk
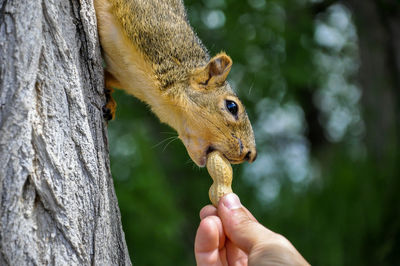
[[378, 24], [57, 204]]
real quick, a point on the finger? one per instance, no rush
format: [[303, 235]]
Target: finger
[[260, 243], [249, 214], [208, 211], [209, 240], [235, 256], [240, 226]]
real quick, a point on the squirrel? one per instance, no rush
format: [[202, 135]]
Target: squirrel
[[152, 53]]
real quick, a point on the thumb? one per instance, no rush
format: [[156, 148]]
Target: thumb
[[261, 244], [240, 226]]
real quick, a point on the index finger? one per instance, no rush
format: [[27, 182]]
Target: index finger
[[208, 210]]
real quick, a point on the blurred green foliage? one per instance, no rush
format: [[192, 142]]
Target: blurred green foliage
[[315, 181]]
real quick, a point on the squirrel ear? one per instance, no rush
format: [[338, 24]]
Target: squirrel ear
[[215, 72], [218, 68]]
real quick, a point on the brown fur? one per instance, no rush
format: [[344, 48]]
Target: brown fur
[[152, 53]]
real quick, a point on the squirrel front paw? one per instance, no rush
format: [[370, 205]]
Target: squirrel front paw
[[110, 107]]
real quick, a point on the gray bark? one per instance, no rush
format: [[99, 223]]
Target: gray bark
[[57, 204]]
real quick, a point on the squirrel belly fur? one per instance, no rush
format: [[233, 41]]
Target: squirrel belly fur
[[152, 53]]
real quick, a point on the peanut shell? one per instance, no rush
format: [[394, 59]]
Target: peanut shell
[[221, 172]]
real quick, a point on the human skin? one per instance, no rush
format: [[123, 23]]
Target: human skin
[[230, 235]]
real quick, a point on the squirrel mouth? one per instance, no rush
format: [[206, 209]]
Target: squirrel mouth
[[202, 160], [232, 161], [206, 153], [211, 149]]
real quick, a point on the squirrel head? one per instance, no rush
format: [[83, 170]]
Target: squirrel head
[[209, 115]]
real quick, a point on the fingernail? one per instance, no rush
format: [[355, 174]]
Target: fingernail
[[231, 201]]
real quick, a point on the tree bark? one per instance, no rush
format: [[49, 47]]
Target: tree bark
[[57, 204]]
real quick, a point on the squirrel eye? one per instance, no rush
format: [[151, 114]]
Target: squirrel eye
[[232, 107]]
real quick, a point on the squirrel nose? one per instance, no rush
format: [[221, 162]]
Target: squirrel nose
[[251, 156]]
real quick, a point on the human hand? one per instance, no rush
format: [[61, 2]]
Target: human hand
[[230, 235]]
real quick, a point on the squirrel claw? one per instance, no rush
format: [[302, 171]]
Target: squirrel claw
[[110, 107], [107, 114]]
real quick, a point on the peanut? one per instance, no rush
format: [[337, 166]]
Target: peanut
[[220, 171]]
